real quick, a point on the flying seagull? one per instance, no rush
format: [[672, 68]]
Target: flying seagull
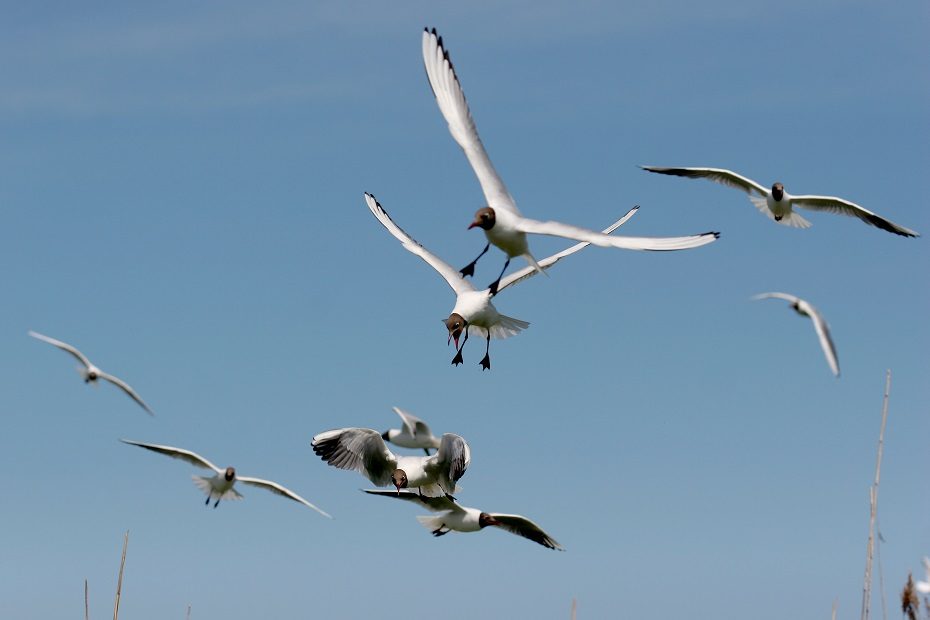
[[454, 517], [221, 485], [804, 308], [91, 373], [777, 204], [502, 222], [473, 309], [414, 434], [363, 450]]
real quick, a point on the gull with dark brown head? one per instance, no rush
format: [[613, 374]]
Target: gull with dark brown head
[[804, 308], [456, 518], [473, 311], [778, 205], [221, 485], [502, 223], [415, 433], [91, 373], [363, 450]]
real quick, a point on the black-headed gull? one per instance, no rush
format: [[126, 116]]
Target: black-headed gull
[[91, 373], [363, 450], [804, 308], [502, 222], [473, 309], [456, 518], [777, 204], [221, 486], [414, 434]]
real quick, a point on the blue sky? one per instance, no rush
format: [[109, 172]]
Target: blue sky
[[182, 199]]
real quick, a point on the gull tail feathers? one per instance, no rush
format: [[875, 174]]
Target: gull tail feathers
[[430, 522], [507, 327], [792, 219], [204, 484]]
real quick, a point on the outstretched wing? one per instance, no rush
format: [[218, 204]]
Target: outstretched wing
[[440, 503], [549, 261], [64, 346], [832, 204], [450, 461], [451, 275], [655, 244], [176, 453], [823, 334], [274, 487], [521, 526], [789, 298], [454, 108], [126, 388], [718, 175], [359, 449], [414, 425]]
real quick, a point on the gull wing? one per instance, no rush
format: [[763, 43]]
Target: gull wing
[[549, 261], [450, 461], [357, 449], [440, 503], [176, 453], [823, 334], [656, 244], [521, 526], [832, 204], [126, 388], [414, 425], [718, 175], [64, 346], [789, 298], [274, 487], [451, 275], [454, 108]]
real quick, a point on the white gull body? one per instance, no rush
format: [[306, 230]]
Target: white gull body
[[414, 434], [502, 222]]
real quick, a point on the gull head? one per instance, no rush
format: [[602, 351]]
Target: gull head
[[455, 324], [778, 191], [484, 218], [484, 520], [90, 374], [399, 479], [230, 473]]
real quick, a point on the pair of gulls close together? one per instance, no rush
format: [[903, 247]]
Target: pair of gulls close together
[[507, 229], [433, 476]]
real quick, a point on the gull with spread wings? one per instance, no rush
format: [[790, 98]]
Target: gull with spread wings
[[473, 309], [804, 308], [363, 450], [91, 373], [502, 222], [778, 205], [221, 484], [456, 518], [414, 434]]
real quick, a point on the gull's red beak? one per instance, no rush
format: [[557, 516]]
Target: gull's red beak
[[473, 224]]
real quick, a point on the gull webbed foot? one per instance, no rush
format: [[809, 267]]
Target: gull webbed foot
[[458, 359], [486, 362], [468, 270]]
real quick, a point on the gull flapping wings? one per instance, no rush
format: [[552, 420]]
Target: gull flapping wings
[[451, 275], [549, 261], [832, 204], [414, 425], [357, 449], [521, 526], [274, 487], [439, 503], [718, 175], [454, 108], [820, 325], [450, 461], [177, 453], [126, 388], [64, 346], [654, 244]]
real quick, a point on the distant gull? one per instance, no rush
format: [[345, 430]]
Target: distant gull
[[924, 586], [804, 308], [473, 309], [502, 222], [414, 434], [91, 373], [221, 485], [777, 204], [363, 450], [458, 518]]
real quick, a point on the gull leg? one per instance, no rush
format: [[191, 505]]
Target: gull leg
[[469, 269], [426, 450], [497, 282], [217, 502], [486, 360], [438, 531], [207, 503], [458, 359]]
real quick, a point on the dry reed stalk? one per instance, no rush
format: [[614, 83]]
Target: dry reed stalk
[[119, 581], [86, 605], [873, 506], [574, 608]]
